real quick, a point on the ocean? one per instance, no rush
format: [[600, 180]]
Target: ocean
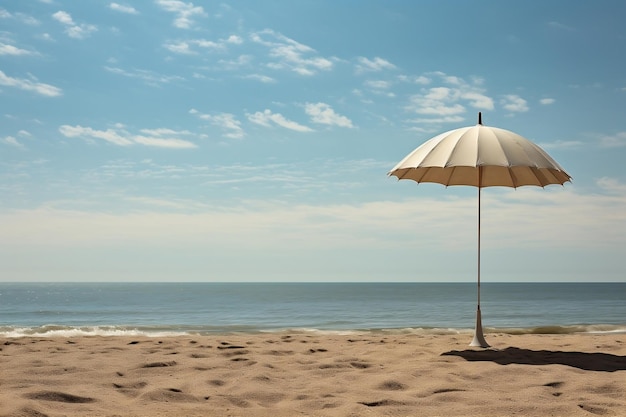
[[164, 309]]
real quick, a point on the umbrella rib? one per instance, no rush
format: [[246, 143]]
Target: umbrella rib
[[541, 176], [512, 176], [451, 173], [508, 166]]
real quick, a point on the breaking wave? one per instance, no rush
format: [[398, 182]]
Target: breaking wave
[[172, 331]]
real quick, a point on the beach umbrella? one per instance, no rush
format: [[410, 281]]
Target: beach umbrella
[[480, 156]]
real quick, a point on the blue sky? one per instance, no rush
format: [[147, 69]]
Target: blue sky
[[250, 141]]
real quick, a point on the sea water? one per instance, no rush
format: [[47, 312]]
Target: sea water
[[66, 309]]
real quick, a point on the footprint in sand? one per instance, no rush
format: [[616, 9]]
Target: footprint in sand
[[594, 410], [239, 402], [132, 389], [170, 395], [59, 397], [554, 385], [199, 356], [235, 353], [29, 412], [360, 365], [159, 364], [392, 386], [446, 390], [217, 382], [381, 403]]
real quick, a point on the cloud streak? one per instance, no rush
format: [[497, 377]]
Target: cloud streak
[[121, 137], [185, 13], [6, 49], [450, 100], [322, 113], [227, 122], [514, 103], [149, 77], [12, 141], [617, 140], [376, 65], [196, 46], [72, 29], [267, 118], [291, 55], [30, 85], [122, 8], [561, 219]]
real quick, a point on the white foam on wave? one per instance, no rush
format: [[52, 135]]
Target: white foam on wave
[[121, 331], [57, 331], [311, 330], [605, 329], [348, 332]]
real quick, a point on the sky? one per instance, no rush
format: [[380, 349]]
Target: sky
[[165, 140]]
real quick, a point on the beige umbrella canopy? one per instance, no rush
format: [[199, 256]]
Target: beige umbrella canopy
[[480, 156]]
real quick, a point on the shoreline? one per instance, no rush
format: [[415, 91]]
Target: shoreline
[[67, 331], [302, 373]]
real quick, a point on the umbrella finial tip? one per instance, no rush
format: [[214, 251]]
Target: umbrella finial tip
[[480, 118]]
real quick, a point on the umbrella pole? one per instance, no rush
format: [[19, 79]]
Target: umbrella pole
[[479, 338]]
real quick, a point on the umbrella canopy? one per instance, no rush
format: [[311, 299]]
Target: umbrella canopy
[[480, 156]]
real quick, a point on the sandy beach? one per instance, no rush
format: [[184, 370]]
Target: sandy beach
[[308, 374]]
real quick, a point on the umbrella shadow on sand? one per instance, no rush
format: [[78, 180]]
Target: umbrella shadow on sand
[[603, 362]]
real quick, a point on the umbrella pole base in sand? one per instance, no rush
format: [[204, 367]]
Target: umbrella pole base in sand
[[479, 338]]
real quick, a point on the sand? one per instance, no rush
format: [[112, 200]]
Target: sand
[[308, 374]]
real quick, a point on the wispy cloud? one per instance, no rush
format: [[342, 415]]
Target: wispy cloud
[[560, 26], [72, 29], [120, 137], [379, 87], [149, 77], [563, 144], [46, 37], [165, 132], [15, 142], [322, 113], [226, 121], [612, 186], [438, 101], [6, 49], [375, 65], [561, 219], [422, 80], [123, 8], [378, 84], [259, 77], [291, 55], [30, 85], [613, 141], [108, 135], [195, 46], [235, 64], [514, 103], [449, 99], [267, 118], [183, 48], [21, 17], [438, 120], [185, 12], [160, 142], [12, 141], [478, 100], [547, 101]]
